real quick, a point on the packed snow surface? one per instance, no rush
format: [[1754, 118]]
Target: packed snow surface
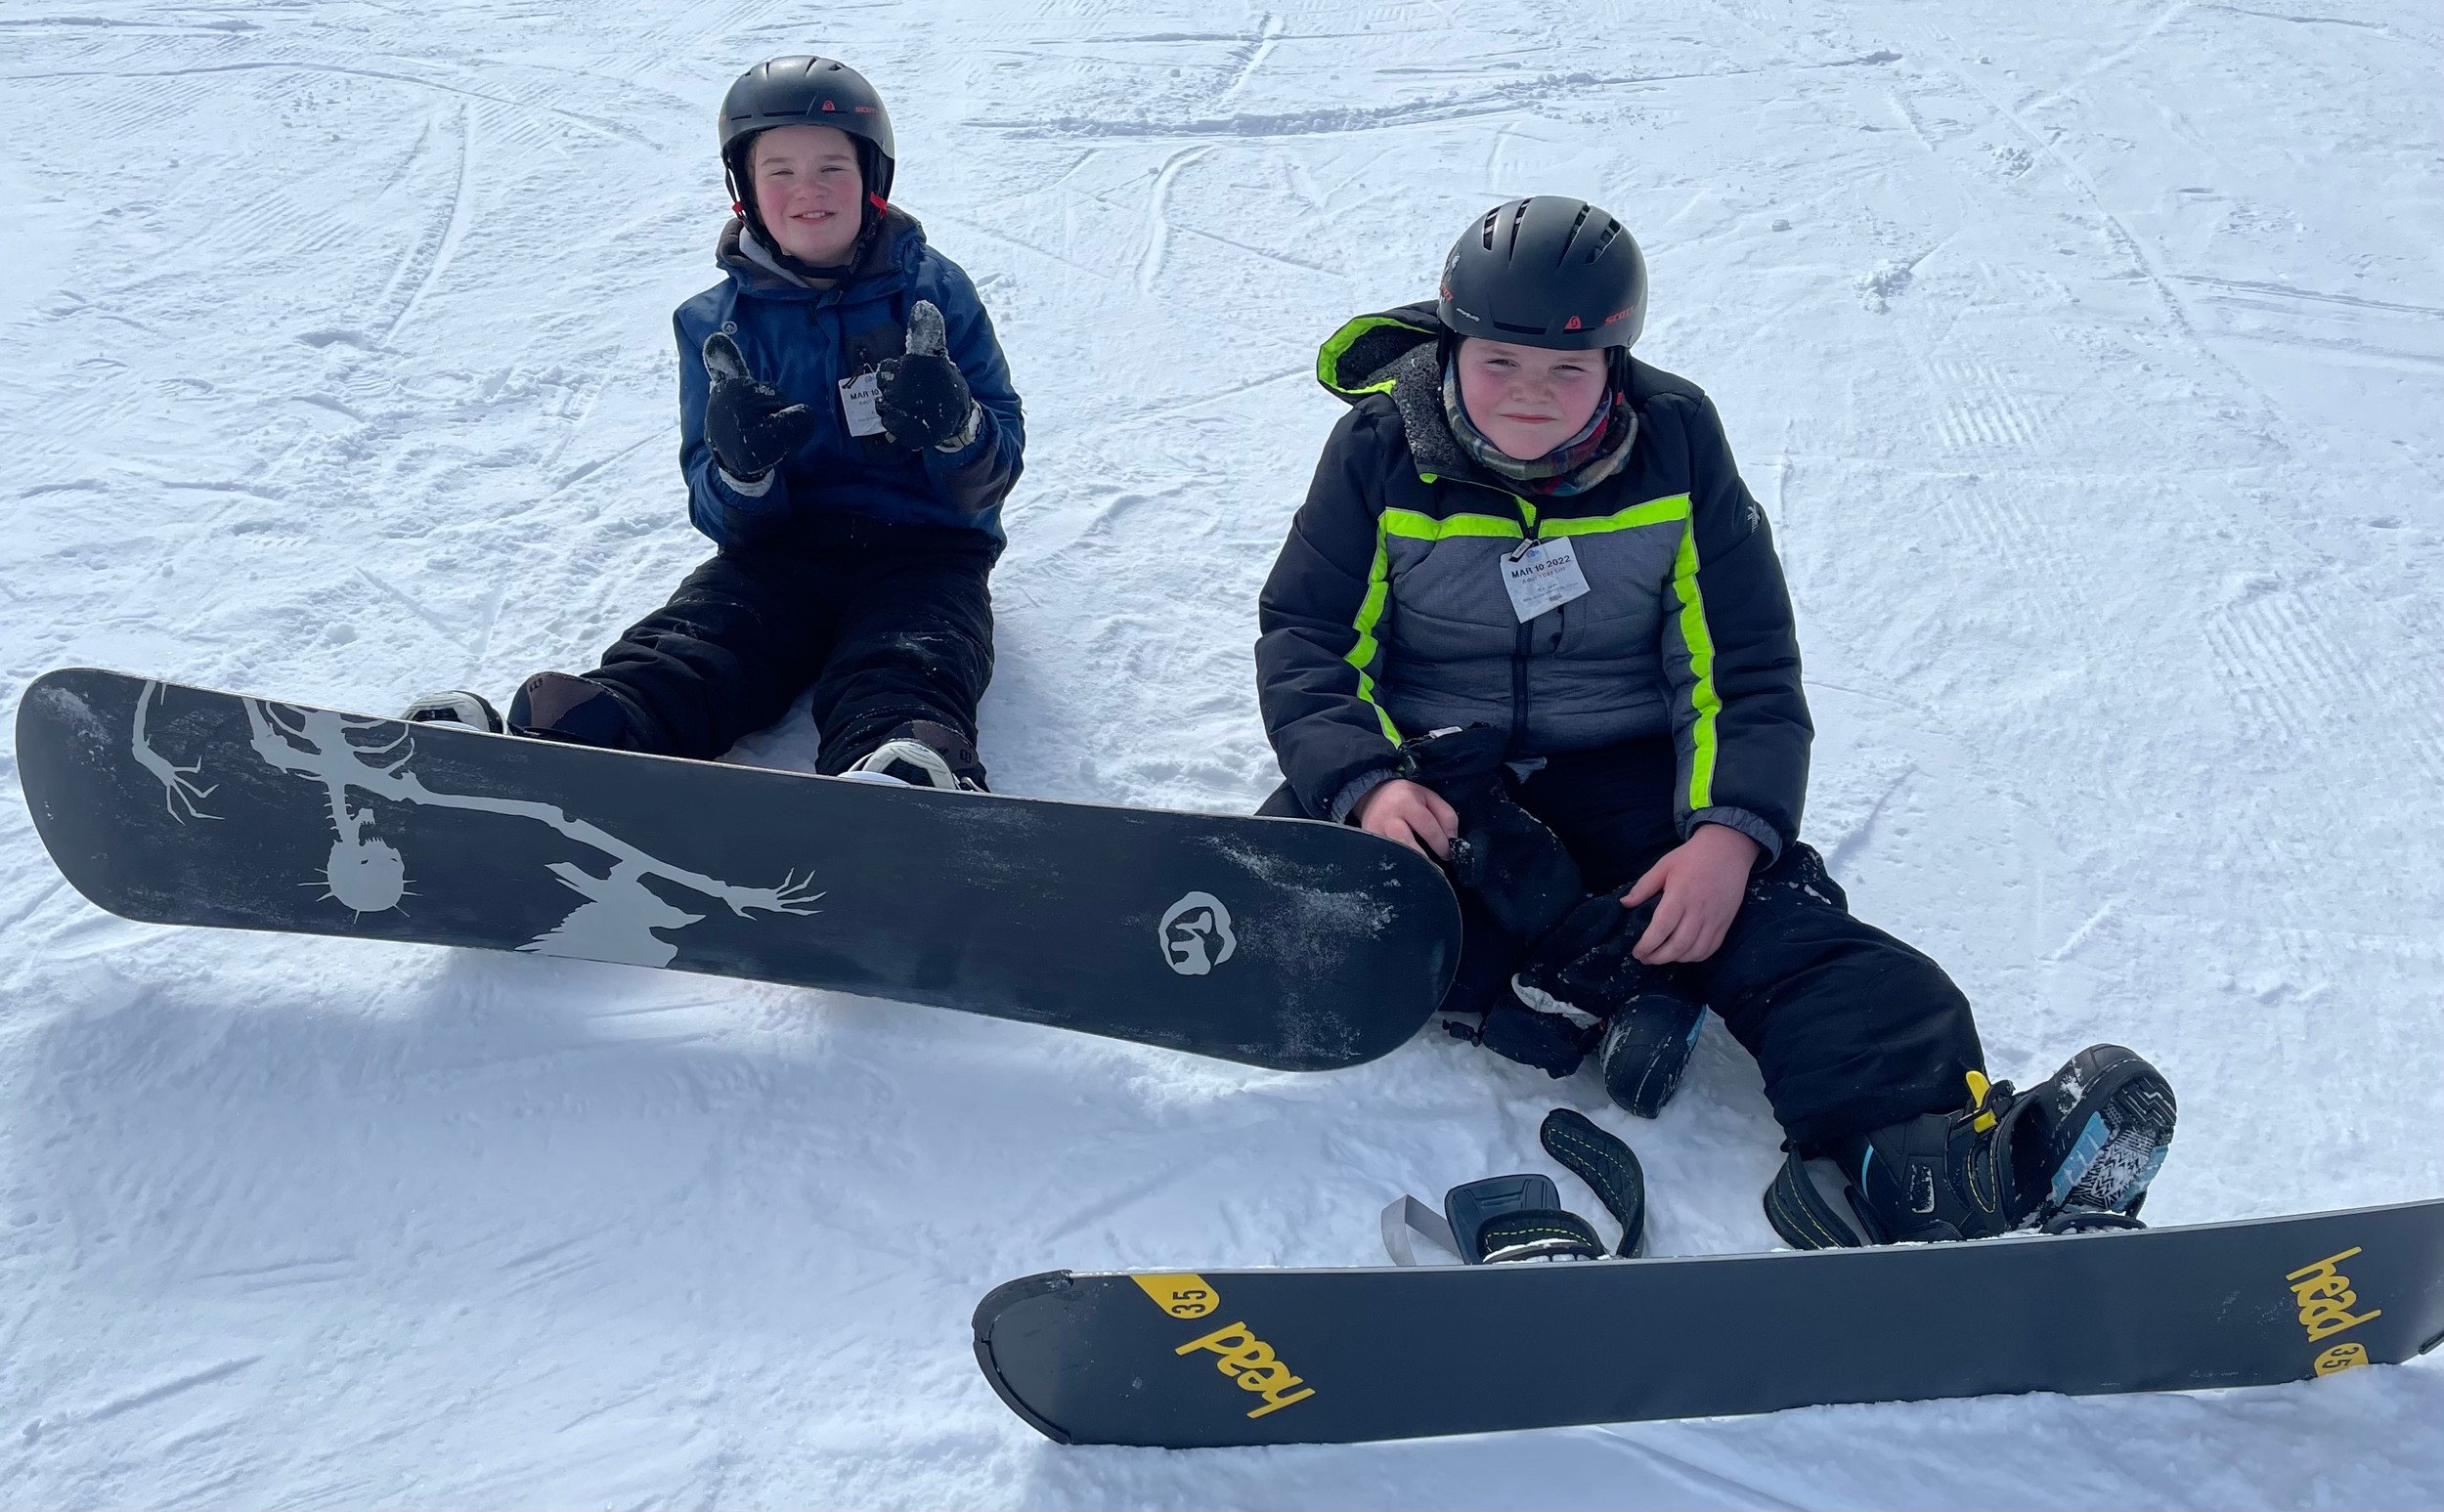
[[2087, 357]]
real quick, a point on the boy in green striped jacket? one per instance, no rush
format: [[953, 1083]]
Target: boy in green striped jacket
[[1531, 621]]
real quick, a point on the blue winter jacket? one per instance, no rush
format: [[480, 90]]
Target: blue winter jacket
[[805, 341]]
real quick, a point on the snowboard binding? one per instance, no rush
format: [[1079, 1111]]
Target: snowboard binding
[[549, 705], [456, 706], [1503, 1219], [2073, 1155], [922, 754]]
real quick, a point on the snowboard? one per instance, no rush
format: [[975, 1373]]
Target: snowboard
[[1325, 1357], [1285, 943]]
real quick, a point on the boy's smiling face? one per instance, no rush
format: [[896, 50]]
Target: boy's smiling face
[[1528, 400], [810, 191]]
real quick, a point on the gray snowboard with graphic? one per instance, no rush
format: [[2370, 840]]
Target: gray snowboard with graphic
[[1277, 942]]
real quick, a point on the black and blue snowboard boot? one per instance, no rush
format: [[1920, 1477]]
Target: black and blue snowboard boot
[[1647, 1043], [2073, 1152]]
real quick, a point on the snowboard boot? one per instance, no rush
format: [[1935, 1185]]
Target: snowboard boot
[[922, 754], [455, 706], [2072, 1153], [1646, 1048], [576, 711]]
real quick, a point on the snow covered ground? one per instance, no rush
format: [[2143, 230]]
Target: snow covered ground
[[2088, 357]]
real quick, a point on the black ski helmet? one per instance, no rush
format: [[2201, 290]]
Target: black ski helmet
[[806, 91], [1548, 272]]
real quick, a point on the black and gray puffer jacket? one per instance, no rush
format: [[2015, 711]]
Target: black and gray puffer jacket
[[1387, 617]]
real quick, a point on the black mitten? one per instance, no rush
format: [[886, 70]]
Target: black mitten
[[1552, 1043], [1585, 970], [1504, 855], [923, 397], [1585, 963], [749, 425], [1514, 864]]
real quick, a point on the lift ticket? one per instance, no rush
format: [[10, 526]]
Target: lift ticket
[[1541, 576]]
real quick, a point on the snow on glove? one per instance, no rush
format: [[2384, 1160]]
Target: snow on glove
[[1586, 965], [1575, 981], [923, 398], [749, 424]]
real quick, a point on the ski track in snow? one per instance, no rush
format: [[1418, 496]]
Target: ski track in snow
[[2088, 373]]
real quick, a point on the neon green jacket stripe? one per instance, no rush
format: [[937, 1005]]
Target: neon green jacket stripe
[[1702, 696], [1371, 613], [1414, 525], [1409, 525], [1653, 512]]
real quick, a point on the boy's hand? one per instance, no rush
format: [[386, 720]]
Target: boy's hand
[[1702, 881], [749, 425], [923, 399], [1411, 813]]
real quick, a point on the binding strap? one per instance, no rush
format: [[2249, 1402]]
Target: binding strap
[[1805, 1217], [1504, 1218], [1608, 1167], [1511, 1218]]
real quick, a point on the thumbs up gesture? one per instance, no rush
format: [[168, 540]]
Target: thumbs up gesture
[[749, 425], [922, 398]]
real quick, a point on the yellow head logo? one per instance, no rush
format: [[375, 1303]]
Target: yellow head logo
[[2325, 1298]]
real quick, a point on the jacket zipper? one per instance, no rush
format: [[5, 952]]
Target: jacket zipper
[[1523, 643]]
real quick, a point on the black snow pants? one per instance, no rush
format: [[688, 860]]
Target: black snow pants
[[888, 623], [1851, 1028]]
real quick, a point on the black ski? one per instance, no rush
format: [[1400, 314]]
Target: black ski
[[1277, 942], [1306, 1356]]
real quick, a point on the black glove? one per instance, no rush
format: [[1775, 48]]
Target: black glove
[[923, 398], [749, 424]]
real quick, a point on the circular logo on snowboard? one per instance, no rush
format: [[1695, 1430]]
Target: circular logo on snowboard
[[2342, 1357], [1196, 935]]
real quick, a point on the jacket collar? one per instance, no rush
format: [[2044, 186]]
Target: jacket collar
[[890, 252], [1398, 354]]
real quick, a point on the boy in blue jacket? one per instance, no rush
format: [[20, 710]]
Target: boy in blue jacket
[[848, 431]]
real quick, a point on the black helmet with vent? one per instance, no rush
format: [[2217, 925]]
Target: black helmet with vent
[[1548, 272], [808, 92]]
